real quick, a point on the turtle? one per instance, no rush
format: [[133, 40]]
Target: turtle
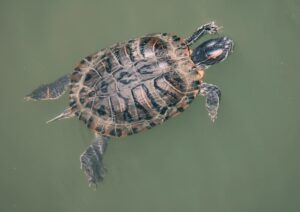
[[135, 85]]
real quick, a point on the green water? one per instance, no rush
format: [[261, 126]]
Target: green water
[[247, 161]]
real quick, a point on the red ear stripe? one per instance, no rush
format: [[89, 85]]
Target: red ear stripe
[[215, 54]]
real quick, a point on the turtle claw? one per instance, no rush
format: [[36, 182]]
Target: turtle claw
[[211, 28], [28, 98]]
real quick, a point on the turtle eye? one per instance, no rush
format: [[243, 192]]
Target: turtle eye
[[210, 44]]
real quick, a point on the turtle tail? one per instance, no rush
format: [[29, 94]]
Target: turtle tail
[[67, 113]]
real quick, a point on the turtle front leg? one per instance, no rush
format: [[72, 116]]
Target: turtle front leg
[[92, 160], [50, 91], [213, 97], [209, 28]]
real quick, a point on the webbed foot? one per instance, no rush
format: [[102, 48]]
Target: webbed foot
[[209, 28], [50, 91], [213, 97], [92, 160]]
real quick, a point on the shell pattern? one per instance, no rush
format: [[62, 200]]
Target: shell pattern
[[135, 85]]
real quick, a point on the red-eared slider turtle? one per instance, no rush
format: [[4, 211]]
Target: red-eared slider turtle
[[136, 85]]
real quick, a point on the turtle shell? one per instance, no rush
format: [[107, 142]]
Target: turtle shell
[[134, 85]]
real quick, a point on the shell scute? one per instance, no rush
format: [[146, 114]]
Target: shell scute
[[133, 86]]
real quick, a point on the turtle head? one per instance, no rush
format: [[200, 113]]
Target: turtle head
[[212, 51]]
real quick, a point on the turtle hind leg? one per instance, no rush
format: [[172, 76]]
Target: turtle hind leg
[[209, 28], [213, 97], [92, 160], [50, 91]]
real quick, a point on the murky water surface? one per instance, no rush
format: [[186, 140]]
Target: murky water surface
[[248, 160]]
